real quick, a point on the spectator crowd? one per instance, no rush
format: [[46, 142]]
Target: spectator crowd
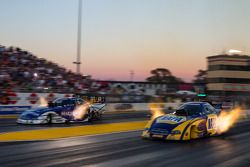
[[24, 72]]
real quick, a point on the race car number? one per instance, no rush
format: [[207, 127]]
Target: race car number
[[211, 123]]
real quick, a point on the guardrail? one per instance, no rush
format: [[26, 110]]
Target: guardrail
[[245, 114], [110, 107]]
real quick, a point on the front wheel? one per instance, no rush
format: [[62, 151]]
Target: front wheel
[[49, 119]]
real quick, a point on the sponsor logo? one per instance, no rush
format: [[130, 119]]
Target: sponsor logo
[[13, 109], [13, 98], [170, 118], [66, 113], [33, 98], [51, 97], [211, 123]]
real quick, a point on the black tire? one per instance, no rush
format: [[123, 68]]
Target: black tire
[[90, 117], [67, 122], [49, 119], [99, 116], [146, 138]]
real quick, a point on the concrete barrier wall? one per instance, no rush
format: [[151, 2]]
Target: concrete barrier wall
[[246, 113], [110, 107], [20, 102], [31, 99]]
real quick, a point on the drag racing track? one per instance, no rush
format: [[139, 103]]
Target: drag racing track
[[128, 149], [9, 125]]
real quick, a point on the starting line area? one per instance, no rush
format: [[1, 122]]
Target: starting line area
[[56, 133]]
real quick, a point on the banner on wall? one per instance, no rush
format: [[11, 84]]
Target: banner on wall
[[5, 110], [33, 98]]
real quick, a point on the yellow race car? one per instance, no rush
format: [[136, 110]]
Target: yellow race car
[[191, 121]]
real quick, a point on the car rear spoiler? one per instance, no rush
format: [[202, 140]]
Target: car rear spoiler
[[91, 98], [98, 106]]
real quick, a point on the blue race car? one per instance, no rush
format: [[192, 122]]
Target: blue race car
[[63, 110]]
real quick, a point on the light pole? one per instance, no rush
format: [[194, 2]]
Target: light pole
[[79, 34]]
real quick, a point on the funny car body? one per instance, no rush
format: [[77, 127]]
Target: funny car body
[[63, 110], [191, 121]]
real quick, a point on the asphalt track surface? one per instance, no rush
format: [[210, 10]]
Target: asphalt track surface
[[128, 149], [10, 125]]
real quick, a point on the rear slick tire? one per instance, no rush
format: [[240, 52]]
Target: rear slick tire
[[90, 117], [99, 116]]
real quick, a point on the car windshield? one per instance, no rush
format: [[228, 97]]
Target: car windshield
[[189, 110], [66, 101], [57, 102], [79, 101], [63, 101]]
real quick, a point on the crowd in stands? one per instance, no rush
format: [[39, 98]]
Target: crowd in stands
[[24, 72]]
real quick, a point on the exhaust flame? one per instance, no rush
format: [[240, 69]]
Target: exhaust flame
[[80, 111], [156, 110], [43, 102], [227, 119]]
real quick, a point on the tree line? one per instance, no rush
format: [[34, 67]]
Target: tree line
[[164, 75]]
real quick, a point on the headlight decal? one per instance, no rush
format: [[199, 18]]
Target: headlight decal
[[175, 132]]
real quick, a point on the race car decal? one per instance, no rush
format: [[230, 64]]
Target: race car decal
[[184, 131], [211, 123], [167, 118], [66, 113]]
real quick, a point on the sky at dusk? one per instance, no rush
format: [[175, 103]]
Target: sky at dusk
[[123, 35]]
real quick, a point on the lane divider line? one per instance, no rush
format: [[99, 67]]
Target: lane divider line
[[56, 133]]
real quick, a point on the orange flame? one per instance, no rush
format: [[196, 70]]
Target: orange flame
[[156, 110], [43, 102], [227, 119], [80, 111]]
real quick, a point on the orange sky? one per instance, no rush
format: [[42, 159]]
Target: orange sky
[[120, 36]]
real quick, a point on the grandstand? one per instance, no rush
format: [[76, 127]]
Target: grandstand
[[22, 71]]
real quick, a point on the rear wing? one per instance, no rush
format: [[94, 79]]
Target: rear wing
[[98, 107], [91, 98]]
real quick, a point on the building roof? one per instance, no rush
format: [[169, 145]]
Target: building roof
[[140, 82], [230, 56]]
